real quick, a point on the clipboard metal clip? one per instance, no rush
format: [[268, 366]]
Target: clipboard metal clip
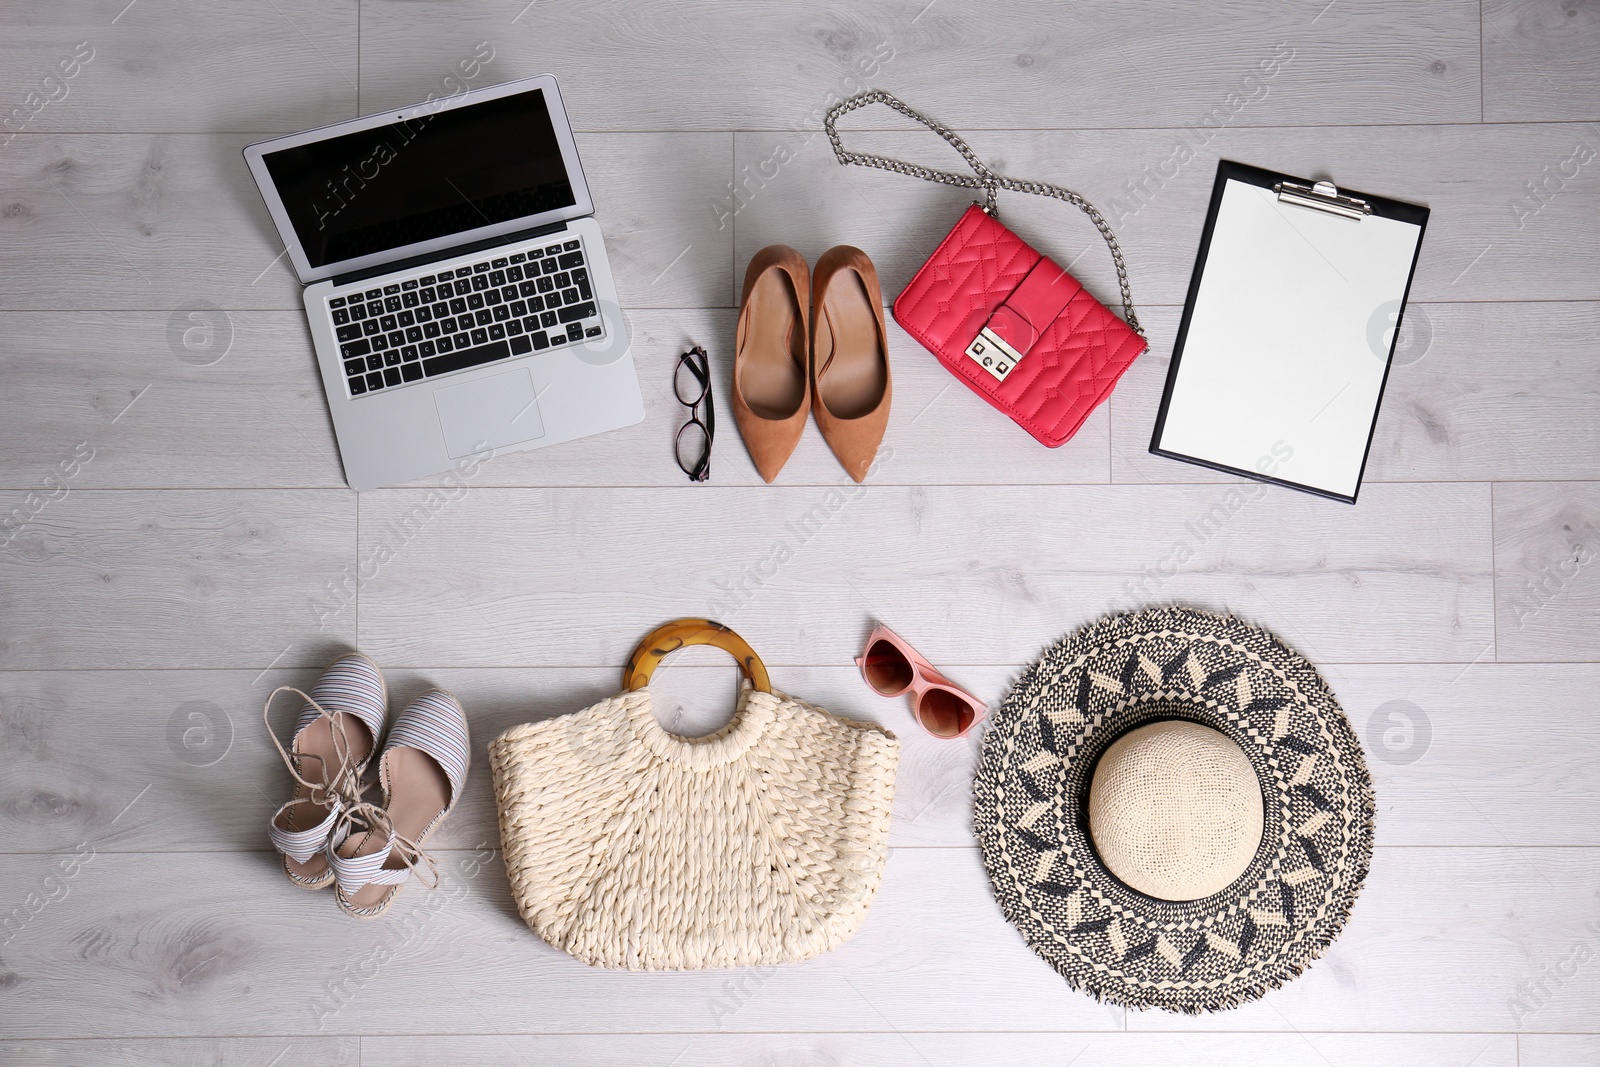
[[1322, 196]]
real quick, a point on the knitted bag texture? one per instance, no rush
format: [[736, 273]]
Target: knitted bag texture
[[630, 847]]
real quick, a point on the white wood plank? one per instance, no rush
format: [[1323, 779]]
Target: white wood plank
[[950, 1050], [1455, 408], [164, 944], [1476, 247], [689, 65], [580, 573], [1443, 781], [663, 256], [695, 694], [276, 430], [72, 760], [256, 416], [185, 1052], [1488, 754], [1444, 939], [1547, 557], [193, 769], [283, 66], [1541, 62], [175, 221], [1557, 1050], [938, 432], [199, 772], [228, 534], [100, 578], [137, 221]]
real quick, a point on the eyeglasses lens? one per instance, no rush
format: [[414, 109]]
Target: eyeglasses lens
[[693, 447], [691, 380]]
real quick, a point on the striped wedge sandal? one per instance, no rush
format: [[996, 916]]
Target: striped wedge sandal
[[335, 735], [377, 848]]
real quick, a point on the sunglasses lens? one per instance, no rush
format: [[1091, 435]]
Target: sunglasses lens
[[944, 714], [886, 670]]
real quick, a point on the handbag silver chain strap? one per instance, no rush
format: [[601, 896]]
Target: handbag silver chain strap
[[981, 178]]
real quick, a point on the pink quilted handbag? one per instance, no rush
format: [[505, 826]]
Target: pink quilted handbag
[[1020, 331]]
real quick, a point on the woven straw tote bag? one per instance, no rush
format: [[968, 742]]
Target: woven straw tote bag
[[630, 847]]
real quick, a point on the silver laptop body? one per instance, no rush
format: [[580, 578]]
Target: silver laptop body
[[457, 285]]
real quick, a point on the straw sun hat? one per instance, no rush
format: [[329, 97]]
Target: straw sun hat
[[1174, 811]]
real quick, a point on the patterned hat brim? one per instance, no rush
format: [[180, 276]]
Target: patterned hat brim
[[1030, 811]]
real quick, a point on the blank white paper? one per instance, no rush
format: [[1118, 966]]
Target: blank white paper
[[1282, 366]]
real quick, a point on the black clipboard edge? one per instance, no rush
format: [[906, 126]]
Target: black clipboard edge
[[1383, 207]]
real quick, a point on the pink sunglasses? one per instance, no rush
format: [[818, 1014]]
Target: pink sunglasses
[[893, 667]]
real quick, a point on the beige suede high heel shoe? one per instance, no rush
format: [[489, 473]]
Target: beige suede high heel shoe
[[771, 379], [849, 357]]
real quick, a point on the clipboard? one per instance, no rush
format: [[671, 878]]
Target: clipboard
[[1288, 330]]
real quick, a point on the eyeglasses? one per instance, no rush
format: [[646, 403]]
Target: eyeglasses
[[691, 381], [893, 667]]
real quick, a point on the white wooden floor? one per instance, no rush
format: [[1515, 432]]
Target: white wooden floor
[[190, 543]]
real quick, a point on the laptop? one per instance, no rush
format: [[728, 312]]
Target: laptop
[[460, 298]]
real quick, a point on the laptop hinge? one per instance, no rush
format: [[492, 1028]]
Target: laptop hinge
[[434, 257]]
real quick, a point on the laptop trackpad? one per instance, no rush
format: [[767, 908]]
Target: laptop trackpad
[[489, 413]]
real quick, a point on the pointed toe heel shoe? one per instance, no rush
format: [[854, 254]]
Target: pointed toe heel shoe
[[849, 357], [771, 382]]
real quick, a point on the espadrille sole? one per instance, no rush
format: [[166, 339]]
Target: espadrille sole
[[311, 884]]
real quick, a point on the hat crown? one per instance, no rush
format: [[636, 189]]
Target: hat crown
[[1175, 810]]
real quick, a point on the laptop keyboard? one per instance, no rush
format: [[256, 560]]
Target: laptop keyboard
[[504, 306]]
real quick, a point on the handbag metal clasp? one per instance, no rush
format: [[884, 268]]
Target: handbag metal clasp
[[993, 354]]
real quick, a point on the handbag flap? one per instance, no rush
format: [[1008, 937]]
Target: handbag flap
[[1069, 370]]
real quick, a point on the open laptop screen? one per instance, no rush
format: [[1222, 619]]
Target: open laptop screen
[[423, 178]]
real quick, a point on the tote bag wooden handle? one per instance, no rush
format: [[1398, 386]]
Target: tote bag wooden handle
[[664, 640]]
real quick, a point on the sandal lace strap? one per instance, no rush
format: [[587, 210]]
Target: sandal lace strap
[[334, 786], [355, 872]]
